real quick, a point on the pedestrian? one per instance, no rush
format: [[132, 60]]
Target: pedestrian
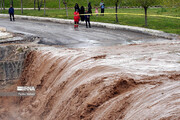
[[87, 19], [76, 7], [81, 12], [11, 13], [89, 8], [96, 11], [76, 19], [102, 7]]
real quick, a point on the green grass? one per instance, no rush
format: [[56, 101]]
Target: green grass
[[169, 25]]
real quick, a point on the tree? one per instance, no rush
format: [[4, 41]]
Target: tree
[[59, 4], [116, 9], [171, 3], [39, 5], [11, 2], [1, 5], [44, 7], [145, 4], [34, 4], [21, 6], [65, 3]]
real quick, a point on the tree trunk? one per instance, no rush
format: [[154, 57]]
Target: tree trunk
[[59, 4], [38, 6], [21, 6], [3, 5], [41, 3], [145, 10], [116, 13], [34, 4], [66, 10], [11, 2], [44, 7]]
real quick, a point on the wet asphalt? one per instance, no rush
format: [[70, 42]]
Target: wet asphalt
[[64, 34]]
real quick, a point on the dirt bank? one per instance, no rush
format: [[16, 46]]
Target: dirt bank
[[129, 82]]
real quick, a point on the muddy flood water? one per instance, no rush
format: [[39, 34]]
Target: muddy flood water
[[128, 82]]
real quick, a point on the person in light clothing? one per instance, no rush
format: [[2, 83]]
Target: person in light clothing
[[102, 7]]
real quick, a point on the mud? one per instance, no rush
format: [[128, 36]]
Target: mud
[[129, 82]]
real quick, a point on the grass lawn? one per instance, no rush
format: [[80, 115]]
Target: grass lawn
[[170, 25]]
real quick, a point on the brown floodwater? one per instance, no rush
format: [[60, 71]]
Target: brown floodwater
[[129, 82]]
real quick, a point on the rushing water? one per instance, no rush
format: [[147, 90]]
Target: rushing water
[[133, 82]]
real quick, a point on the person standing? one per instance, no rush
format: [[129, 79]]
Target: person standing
[[11, 13], [96, 11], [87, 19], [76, 19], [81, 12], [76, 7], [89, 8], [102, 7]]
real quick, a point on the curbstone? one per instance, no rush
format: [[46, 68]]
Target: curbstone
[[147, 31], [4, 35], [2, 29]]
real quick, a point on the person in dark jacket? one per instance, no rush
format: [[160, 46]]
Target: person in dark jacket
[[87, 19], [82, 12], [76, 7], [11, 13], [89, 8]]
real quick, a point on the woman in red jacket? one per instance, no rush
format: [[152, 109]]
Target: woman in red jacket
[[76, 19]]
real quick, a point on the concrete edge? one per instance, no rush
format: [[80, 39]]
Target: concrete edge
[[3, 29], [4, 34], [151, 32]]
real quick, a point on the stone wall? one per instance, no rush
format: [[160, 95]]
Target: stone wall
[[11, 61]]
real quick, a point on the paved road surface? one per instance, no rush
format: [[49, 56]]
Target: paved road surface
[[63, 34]]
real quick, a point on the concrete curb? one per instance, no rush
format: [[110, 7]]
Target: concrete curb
[[2, 29], [152, 32], [4, 34]]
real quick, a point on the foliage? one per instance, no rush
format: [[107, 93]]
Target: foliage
[[171, 3], [143, 3]]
